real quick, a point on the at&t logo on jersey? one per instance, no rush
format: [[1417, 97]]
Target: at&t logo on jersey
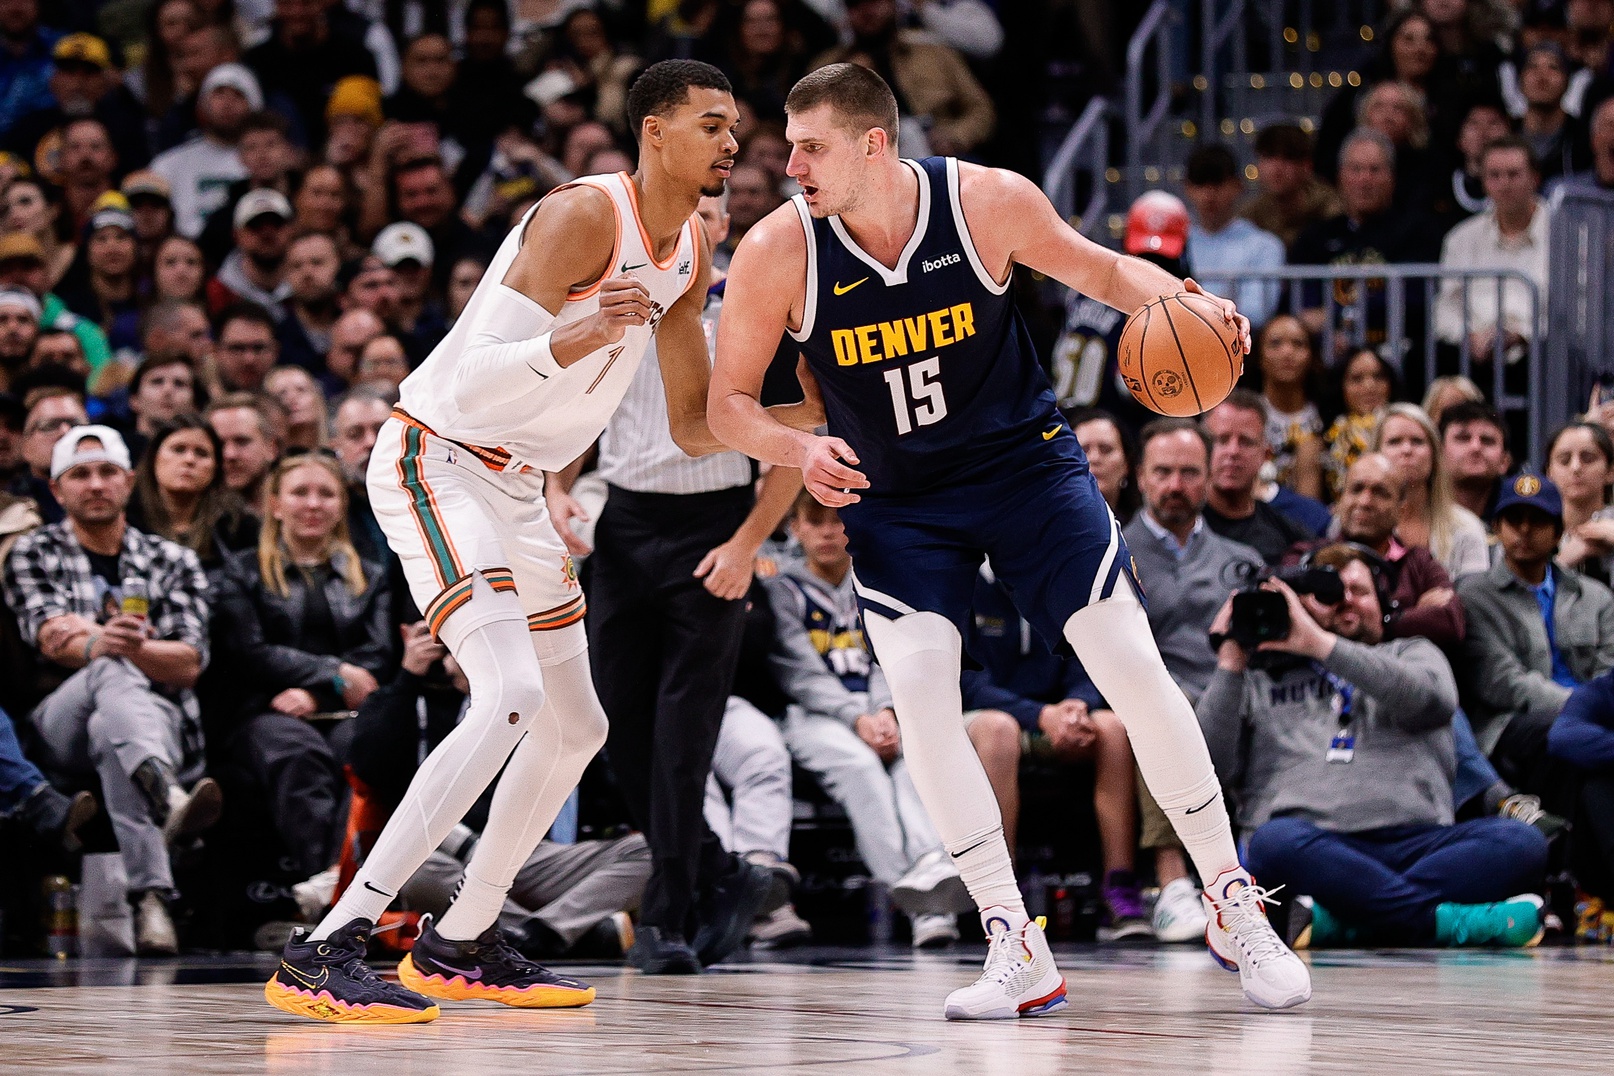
[[945, 260]]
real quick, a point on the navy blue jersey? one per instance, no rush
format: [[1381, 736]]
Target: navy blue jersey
[[926, 369]]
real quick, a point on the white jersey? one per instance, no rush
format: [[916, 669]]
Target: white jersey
[[552, 426]]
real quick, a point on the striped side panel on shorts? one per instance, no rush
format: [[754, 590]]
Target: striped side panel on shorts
[[423, 506], [444, 605], [500, 578], [558, 617]]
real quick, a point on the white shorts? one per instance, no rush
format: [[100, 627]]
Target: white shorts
[[451, 510]]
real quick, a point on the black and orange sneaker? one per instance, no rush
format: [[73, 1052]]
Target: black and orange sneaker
[[487, 969], [329, 980]]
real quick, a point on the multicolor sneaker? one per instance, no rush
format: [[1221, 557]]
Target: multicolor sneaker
[[1311, 926], [1241, 939], [1124, 913], [487, 969], [1594, 923], [1527, 809], [1019, 979], [1179, 914], [1514, 923], [329, 980]]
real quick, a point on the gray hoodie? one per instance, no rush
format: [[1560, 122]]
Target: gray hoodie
[[822, 661], [1270, 738]]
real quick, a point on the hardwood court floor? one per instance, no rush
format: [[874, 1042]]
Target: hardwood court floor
[[1132, 1011]]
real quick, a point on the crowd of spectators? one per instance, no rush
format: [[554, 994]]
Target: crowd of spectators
[[230, 230]]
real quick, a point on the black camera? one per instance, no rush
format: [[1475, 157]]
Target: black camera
[[1261, 616]]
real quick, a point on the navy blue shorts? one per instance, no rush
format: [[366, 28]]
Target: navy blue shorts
[[1050, 537]]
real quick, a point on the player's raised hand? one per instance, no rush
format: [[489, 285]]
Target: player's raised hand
[[624, 302], [1230, 312], [827, 478]]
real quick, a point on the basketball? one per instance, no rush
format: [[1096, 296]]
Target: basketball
[[1178, 356]]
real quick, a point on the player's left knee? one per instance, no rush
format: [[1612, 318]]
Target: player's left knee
[[997, 731]]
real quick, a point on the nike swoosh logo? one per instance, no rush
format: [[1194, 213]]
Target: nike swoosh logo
[[383, 892], [1201, 807], [312, 984], [977, 844], [473, 973], [842, 289], [537, 371], [1049, 436], [631, 268]]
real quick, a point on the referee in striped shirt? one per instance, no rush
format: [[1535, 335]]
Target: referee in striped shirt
[[668, 578]]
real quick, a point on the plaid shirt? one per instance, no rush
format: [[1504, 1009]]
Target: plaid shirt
[[48, 575]]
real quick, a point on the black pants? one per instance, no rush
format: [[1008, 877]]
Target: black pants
[[292, 776], [1521, 759], [1593, 856], [664, 651]]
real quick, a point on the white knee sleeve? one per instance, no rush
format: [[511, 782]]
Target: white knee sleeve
[[1118, 650], [559, 644]]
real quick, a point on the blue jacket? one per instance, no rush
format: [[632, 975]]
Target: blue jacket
[[1583, 734], [25, 80], [1019, 674]]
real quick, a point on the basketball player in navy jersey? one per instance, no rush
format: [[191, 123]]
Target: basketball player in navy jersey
[[944, 447]]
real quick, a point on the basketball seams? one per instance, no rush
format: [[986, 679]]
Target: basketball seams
[[1143, 373], [1232, 367], [1182, 355]]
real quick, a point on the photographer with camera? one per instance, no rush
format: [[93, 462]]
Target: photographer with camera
[[1337, 748]]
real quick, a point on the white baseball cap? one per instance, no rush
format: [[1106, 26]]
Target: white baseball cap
[[71, 451], [263, 201], [401, 242], [237, 77]]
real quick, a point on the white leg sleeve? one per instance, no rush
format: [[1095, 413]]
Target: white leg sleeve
[[507, 695], [1113, 639], [920, 655], [546, 766]]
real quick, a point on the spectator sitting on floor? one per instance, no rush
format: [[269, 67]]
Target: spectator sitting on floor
[[120, 622], [1583, 737], [1184, 567], [250, 431], [1535, 632], [1364, 828], [52, 819], [302, 627], [1239, 448], [567, 899], [841, 726], [180, 493], [1474, 447], [1063, 717]]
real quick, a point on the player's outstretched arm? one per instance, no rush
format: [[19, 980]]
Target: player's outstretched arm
[[764, 294], [1011, 220], [513, 346]]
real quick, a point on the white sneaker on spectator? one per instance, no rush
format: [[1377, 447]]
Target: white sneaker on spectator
[[934, 931], [154, 928], [1241, 939], [1020, 978], [313, 894], [1179, 916], [189, 813], [931, 886], [780, 929]]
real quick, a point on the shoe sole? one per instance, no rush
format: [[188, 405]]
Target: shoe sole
[[759, 882], [1228, 965], [200, 812], [949, 897], [520, 997], [1043, 1006], [83, 808], [322, 1006]]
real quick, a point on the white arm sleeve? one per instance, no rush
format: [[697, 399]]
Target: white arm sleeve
[[508, 351]]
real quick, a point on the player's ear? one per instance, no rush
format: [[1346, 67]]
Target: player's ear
[[651, 131]]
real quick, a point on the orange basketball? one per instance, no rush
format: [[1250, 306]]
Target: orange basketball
[[1178, 356]]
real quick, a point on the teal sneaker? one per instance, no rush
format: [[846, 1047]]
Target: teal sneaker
[[1311, 926], [1514, 923]]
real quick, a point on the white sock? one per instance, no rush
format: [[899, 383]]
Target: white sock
[[541, 774], [919, 654], [506, 695], [1118, 650]]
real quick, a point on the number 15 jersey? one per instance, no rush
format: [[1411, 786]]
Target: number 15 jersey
[[927, 370]]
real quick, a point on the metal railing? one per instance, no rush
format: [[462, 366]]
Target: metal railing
[[1392, 309], [1084, 152], [1142, 128], [1219, 34], [1580, 303]]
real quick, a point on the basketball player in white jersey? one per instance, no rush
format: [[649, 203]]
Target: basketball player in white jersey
[[946, 447], [523, 383]]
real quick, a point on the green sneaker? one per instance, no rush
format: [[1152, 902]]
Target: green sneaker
[[1311, 926], [1514, 923]]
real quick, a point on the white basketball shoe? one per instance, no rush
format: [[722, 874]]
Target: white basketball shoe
[[1019, 979], [1241, 939]]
